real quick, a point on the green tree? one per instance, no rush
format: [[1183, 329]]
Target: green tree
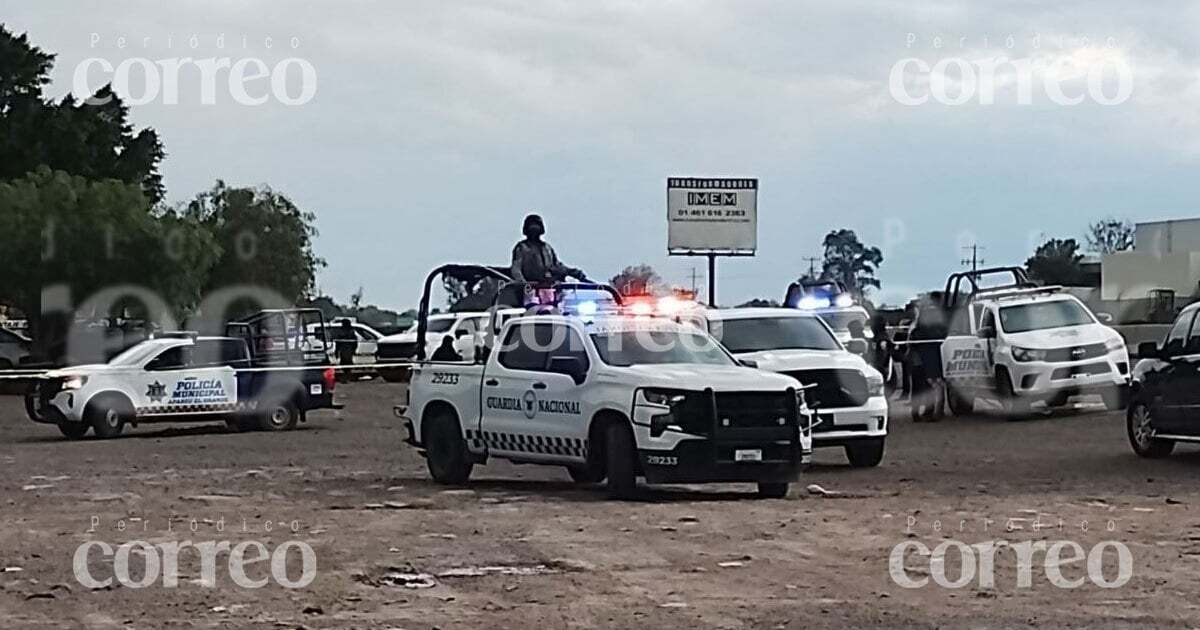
[[65, 231], [637, 280], [850, 262], [1057, 261], [264, 240], [85, 135], [1110, 235]]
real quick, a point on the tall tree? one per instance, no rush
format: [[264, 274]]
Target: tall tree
[[1110, 235], [637, 280], [1057, 261], [265, 240], [850, 262], [85, 134]]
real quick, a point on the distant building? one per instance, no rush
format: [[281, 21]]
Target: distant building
[[1165, 259]]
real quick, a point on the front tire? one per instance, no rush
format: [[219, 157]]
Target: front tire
[[73, 430], [959, 404], [772, 490], [446, 451], [621, 459], [107, 417], [585, 474], [865, 453], [1014, 407], [1139, 422]]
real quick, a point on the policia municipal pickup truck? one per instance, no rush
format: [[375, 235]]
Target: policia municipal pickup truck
[[266, 373], [1021, 344], [582, 384]]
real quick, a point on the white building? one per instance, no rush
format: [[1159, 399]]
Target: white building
[[1165, 255]]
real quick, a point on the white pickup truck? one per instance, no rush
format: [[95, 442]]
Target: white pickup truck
[[844, 392], [1021, 344], [610, 396]]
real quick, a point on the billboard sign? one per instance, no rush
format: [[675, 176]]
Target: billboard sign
[[707, 215]]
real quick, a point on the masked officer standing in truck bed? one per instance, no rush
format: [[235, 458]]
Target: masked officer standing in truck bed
[[534, 260]]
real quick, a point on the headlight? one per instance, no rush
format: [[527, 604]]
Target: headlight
[[874, 384], [74, 382], [1028, 354], [664, 397], [1114, 345]]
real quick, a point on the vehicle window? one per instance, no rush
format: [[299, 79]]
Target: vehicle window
[[989, 319], [470, 325], [219, 352], [440, 325], [773, 333], [656, 347], [960, 324], [174, 358], [526, 346], [364, 334], [1043, 316], [1193, 342], [1178, 334], [841, 320], [568, 343]]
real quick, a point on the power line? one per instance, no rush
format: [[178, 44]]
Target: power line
[[812, 265]]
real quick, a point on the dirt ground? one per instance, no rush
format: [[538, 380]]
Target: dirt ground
[[525, 548]]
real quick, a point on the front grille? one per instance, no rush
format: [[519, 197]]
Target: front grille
[[833, 388], [755, 409], [1090, 369], [1076, 353], [399, 350]]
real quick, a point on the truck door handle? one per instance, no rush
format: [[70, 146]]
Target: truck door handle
[[491, 382], [539, 385]]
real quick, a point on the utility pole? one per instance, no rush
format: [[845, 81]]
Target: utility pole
[[974, 261], [812, 265]]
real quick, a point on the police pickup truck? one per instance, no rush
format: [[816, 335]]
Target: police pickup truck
[[1019, 344], [609, 395], [844, 392], [183, 377]]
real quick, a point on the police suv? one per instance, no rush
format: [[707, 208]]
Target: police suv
[[609, 395], [1020, 344], [845, 393], [183, 377]]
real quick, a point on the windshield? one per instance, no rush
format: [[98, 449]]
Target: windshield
[[440, 325], [841, 321], [773, 333], [1043, 315], [136, 354], [645, 347]]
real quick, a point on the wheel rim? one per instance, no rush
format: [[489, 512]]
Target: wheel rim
[[279, 416], [112, 418], [1140, 425]]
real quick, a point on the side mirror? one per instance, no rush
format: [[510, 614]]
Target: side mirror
[[569, 366], [986, 332], [1105, 318], [1148, 350], [857, 346], [750, 363]]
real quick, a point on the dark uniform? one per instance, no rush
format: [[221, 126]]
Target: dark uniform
[[534, 261], [446, 351], [345, 342]]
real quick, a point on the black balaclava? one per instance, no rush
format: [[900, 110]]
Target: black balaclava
[[534, 227]]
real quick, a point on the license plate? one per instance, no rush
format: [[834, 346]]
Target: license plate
[[747, 455], [315, 390]]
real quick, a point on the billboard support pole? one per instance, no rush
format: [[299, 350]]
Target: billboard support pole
[[712, 280]]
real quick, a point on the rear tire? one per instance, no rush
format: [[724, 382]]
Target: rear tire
[[279, 415], [74, 430], [1139, 422], [621, 461], [865, 453], [107, 416], [772, 490], [446, 450], [959, 404]]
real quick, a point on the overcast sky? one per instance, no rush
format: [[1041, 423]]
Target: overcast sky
[[437, 125]]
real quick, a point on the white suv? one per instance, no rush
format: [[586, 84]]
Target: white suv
[[844, 391]]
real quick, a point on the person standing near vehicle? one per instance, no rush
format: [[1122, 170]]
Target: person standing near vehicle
[[346, 343], [535, 262]]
